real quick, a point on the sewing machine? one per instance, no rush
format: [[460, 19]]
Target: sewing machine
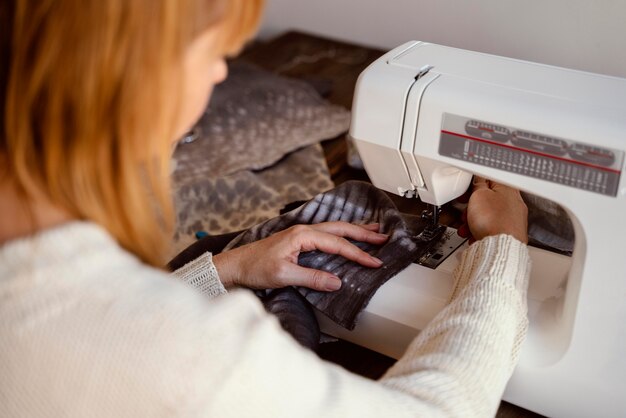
[[425, 119]]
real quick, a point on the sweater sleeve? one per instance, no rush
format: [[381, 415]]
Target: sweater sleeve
[[457, 366], [463, 359], [145, 345], [202, 275]]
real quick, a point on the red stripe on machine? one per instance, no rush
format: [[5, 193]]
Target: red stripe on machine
[[486, 141]]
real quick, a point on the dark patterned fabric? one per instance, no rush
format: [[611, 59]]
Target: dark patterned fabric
[[255, 150], [356, 202], [549, 225], [295, 315], [243, 199], [254, 119]]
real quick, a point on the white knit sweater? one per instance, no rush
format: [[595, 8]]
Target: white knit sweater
[[86, 330]]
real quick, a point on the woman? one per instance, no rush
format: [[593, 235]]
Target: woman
[[94, 94]]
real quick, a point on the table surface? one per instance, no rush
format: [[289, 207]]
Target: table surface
[[333, 67]]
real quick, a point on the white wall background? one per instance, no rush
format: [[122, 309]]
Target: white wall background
[[583, 34]]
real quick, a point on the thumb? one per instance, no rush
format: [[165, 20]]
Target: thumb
[[311, 278]]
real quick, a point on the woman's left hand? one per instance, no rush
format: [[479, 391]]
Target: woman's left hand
[[273, 262]]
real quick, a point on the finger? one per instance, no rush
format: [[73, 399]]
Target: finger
[[480, 183], [348, 230], [333, 244], [371, 227], [506, 191], [501, 188], [296, 275]]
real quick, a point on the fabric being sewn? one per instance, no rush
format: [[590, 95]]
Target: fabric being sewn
[[356, 202]]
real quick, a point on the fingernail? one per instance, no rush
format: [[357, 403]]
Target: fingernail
[[333, 284], [377, 260]]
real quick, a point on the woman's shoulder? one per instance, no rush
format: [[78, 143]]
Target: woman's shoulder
[[80, 266], [86, 314]]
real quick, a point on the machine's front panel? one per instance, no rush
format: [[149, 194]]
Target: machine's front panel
[[531, 154]]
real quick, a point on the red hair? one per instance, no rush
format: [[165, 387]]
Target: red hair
[[89, 96]]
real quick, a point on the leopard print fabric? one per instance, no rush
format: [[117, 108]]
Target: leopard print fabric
[[257, 149], [245, 198]]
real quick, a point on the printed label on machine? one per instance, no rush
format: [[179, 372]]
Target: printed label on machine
[[532, 154]]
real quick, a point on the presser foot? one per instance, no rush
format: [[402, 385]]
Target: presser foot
[[430, 233], [446, 244], [442, 240]]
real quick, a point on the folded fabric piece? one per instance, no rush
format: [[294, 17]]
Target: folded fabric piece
[[295, 315], [251, 154], [243, 199], [356, 202], [255, 118], [549, 225]]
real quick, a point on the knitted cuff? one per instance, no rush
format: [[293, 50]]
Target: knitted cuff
[[499, 256], [202, 275]]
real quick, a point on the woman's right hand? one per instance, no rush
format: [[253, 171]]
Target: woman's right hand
[[494, 209]]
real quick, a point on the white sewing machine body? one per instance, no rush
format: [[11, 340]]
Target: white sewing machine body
[[427, 117]]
